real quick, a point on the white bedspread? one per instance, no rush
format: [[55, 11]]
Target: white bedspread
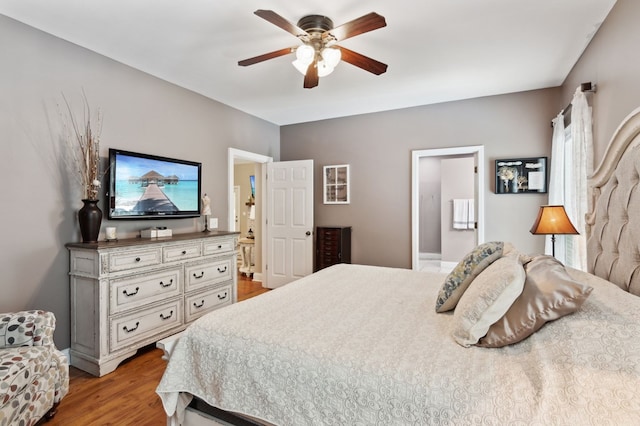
[[361, 345]]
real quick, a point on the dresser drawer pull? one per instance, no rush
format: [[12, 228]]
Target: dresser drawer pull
[[130, 330], [222, 271], [184, 252], [220, 246], [197, 277], [138, 259], [166, 317], [130, 294], [162, 284], [195, 305], [222, 297]]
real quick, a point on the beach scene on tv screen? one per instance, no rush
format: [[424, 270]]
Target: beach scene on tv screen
[[145, 185]]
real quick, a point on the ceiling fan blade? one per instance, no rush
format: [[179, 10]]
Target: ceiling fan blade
[[361, 61], [266, 56], [363, 24], [279, 21], [311, 78]]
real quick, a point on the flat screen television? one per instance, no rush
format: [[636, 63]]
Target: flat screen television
[[144, 186]]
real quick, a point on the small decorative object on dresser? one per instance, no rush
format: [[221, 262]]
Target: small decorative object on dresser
[[111, 233], [129, 293], [89, 219], [206, 211]]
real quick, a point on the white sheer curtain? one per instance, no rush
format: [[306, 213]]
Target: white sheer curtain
[[557, 180], [571, 163], [581, 167]]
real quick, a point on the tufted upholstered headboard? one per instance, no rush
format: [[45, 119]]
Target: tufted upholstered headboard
[[613, 221]]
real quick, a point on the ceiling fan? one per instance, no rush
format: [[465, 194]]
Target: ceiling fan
[[319, 53]]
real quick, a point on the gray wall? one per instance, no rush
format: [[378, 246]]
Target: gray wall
[[378, 147], [612, 62], [140, 113], [430, 211]]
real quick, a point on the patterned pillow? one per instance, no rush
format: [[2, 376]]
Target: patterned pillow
[[549, 293], [488, 298], [469, 267], [17, 329]]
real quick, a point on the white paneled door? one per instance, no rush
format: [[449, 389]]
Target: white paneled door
[[289, 221]]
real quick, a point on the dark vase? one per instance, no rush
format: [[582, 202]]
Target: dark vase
[[90, 218]]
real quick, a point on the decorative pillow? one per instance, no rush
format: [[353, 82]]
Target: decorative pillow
[[510, 248], [17, 329], [487, 299], [469, 267], [549, 293]]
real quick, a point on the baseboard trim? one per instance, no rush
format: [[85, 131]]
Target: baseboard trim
[[448, 266], [430, 256]]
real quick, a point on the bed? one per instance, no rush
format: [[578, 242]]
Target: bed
[[354, 344]]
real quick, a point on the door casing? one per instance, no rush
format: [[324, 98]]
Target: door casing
[[478, 152]]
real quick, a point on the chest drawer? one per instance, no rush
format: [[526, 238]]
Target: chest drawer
[[133, 259], [202, 274], [220, 246], [187, 251], [328, 234], [133, 328], [131, 292], [199, 304]]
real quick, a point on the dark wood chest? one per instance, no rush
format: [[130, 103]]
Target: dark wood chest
[[333, 245]]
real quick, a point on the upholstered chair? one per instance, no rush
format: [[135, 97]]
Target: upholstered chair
[[34, 374]]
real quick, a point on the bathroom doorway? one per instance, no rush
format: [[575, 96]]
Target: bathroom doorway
[[437, 186]]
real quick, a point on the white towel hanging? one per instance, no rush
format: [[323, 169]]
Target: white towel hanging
[[460, 214], [471, 218]]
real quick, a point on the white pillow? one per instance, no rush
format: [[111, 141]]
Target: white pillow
[[487, 299]]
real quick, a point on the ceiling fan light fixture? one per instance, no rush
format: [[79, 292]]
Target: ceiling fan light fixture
[[324, 69], [331, 56], [300, 66], [305, 54], [319, 54]]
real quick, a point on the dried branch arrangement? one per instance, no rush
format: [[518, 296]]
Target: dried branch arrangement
[[83, 143]]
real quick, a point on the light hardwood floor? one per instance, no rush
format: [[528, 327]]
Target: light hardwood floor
[[126, 396]]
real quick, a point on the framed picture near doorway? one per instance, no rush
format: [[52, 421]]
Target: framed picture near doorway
[[521, 175], [336, 184]]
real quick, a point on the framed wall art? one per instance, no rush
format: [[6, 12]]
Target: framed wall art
[[336, 184], [521, 175]]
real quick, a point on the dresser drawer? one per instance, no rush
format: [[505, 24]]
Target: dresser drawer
[[198, 275], [131, 292], [133, 328], [126, 260], [220, 246], [186, 251], [199, 304]]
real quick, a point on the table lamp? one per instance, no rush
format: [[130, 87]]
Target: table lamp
[[553, 220]]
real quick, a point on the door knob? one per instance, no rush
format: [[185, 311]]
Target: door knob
[[308, 233]]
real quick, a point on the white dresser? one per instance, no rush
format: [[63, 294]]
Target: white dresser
[[129, 293]]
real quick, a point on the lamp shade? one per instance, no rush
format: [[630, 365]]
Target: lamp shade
[[553, 220]]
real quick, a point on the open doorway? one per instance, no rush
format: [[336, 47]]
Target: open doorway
[[246, 210], [443, 203]]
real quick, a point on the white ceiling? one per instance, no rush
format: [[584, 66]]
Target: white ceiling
[[437, 50]]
